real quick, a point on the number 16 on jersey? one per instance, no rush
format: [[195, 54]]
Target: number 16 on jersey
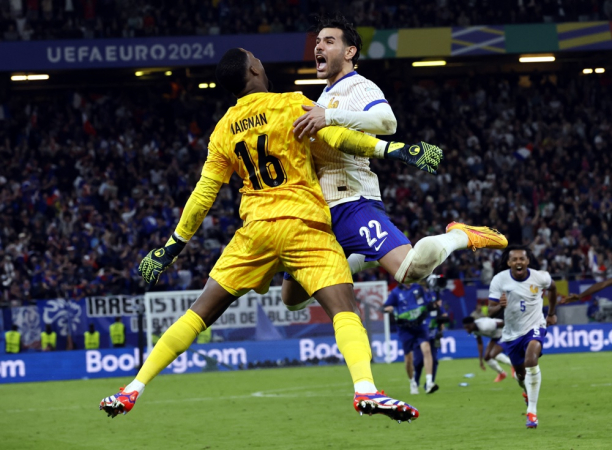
[[269, 169]]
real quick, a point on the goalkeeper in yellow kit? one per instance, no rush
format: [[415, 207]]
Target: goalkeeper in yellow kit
[[287, 226]]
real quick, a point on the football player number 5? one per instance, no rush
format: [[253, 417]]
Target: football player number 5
[[269, 170], [522, 305]]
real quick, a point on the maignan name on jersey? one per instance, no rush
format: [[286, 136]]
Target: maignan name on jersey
[[245, 124]]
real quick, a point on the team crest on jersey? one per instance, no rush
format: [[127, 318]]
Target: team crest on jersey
[[533, 289], [333, 103]]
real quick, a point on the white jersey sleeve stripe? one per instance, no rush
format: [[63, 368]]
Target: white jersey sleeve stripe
[[375, 102]]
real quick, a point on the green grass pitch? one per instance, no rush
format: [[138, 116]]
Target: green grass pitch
[[311, 408]]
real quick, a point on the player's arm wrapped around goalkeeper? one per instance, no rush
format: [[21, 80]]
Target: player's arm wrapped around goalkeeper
[[199, 203], [424, 156]]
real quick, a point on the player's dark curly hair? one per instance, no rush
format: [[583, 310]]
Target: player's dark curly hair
[[468, 319], [502, 264], [231, 71], [350, 37]]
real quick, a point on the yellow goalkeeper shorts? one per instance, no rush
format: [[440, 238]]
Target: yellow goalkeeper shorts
[[308, 251]]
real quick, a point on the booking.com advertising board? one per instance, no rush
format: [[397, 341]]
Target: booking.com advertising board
[[81, 364]]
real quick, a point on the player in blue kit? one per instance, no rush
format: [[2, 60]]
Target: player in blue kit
[[411, 305], [434, 322], [518, 291]]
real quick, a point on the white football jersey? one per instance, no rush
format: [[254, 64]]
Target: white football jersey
[[345, 177], [487, 327], [524, 310]]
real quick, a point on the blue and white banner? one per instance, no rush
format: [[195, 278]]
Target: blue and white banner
[[145, 52], [81, 364]]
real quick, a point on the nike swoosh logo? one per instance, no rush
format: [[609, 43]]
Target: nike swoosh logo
[[380, 245]]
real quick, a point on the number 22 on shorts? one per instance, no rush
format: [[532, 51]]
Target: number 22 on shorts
[[375, 226]]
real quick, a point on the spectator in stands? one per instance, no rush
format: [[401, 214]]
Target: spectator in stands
[[48, 339], [92, 338], [117, 333], [74, 19], [12, 340]]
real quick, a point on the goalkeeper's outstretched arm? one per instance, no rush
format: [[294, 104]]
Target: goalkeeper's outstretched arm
[[199, 203], [424, 156]]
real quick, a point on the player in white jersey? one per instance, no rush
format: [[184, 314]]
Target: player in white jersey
[[491, 328], [518, 292], [359, 220]]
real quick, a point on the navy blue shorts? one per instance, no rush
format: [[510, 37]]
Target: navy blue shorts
[[364, 227], [412, 337], [516, 349]]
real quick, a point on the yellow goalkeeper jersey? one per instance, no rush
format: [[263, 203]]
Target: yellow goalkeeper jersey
[[255, 139]]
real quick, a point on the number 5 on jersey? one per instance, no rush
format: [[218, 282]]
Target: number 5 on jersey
[[269, 168]]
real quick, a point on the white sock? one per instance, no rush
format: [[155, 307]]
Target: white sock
[[365, 387], [456, 240], [503, 358], [495, 366], [428, 379], [357, 263], [413, 382], [429, 253], [135, 385], [533, 380]]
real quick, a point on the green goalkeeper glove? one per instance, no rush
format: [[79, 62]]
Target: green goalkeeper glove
[[424, 156], [158, 260]]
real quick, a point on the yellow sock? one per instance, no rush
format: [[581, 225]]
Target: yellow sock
[[173, 342], [353, 343]]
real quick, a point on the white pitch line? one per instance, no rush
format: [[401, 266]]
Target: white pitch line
[[269, 393]]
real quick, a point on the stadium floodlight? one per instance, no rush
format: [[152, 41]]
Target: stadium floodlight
[[600, 70], [38, 77], [33, 77], [439, 62], [306, 70], [310, 81], [139, 73], [537, 58], [168, 73], [212, 85], [203, 85], [587, 71]]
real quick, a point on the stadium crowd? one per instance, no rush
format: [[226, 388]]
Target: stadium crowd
[[90, 183], [76, 19]]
